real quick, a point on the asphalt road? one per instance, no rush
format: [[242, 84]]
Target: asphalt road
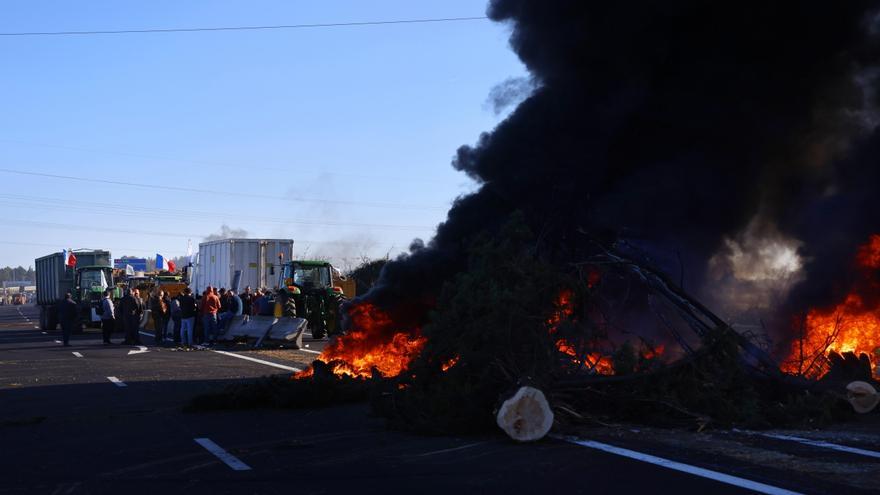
[[67, 427]]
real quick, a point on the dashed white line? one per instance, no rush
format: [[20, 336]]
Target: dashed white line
[[117, 381], [826, 445], [45, 333], [57, 341], [309, 350], [255, 360], [678, 466], [77, 354], [230, 460]]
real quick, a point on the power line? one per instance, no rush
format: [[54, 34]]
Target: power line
[[92, 228], [248, 28], [141, 211], [237, 166], [370, 204]]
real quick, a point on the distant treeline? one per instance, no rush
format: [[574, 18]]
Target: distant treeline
[[16, 273]]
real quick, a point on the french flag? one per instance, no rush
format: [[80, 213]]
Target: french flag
[[163, 264], [69, 258]]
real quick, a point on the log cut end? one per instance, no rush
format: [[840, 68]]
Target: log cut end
[[863, 396], [526, 416]]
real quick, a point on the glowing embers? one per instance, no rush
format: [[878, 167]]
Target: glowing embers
[[851, 326], [590, 361]]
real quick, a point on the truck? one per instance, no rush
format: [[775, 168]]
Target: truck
[[254, 260], [86, 282], [314, 290]]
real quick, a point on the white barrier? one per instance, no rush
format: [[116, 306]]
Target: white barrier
[[289, 330]]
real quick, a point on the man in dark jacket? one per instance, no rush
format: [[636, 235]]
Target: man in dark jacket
[[131, 308], [67, 315], [188, 312], [247, 297]]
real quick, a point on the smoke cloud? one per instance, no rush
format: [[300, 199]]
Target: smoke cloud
[[674, 126], [226, 232]]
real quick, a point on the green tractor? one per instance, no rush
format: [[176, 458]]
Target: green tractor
[[90, 282], [313, 290]]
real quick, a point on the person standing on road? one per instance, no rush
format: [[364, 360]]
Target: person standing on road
[[132, 309], [108, 317], [159, 310], [255, 303], [212, 307], [67, 315], [246, 298], [188, 313], [174, 306]]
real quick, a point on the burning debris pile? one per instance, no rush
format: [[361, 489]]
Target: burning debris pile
[[654, 136]]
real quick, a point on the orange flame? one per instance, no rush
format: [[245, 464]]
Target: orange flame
[[594, 361], [373, 342], [851, 326]]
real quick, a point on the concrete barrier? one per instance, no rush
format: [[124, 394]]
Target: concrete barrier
[[229, 333], [288, 330], [248, 327]]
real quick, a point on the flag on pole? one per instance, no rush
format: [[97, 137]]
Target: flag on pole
[[172, 266], [71, 259], [64, 255], [160, 262]]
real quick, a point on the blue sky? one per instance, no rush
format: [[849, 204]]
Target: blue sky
[[270, 122]]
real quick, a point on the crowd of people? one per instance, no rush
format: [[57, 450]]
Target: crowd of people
[[185, 320]]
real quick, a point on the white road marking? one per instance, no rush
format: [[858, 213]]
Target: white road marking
[[820, 443], [117, 381], [678, 466], [230, 460], [309, 350], [57, 341], [453, 449], [36, 326], [77, 354], [141, 349], [267, 363]]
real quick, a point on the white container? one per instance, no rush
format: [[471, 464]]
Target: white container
[[257, 259]]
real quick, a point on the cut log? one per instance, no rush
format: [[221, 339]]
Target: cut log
[[526, 416], [863, 396]]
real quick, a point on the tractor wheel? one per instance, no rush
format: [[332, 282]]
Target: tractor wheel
[[289, 308], [319, 329]]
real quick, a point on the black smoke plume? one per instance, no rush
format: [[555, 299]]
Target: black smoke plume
[[672, 125]]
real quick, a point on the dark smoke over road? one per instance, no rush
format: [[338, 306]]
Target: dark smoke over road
[[675, 126]]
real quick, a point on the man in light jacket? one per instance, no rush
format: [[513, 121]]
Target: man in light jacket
[[108, 317]]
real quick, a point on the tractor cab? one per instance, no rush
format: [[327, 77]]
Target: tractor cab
[[307, 275], [312, 290], [89, 286]]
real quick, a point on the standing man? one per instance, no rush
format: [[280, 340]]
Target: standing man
[[212, 307], [132, 309], [246, 298], [68, 317], [108, 318], [159, 310], [174, 306], [188, 312]]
